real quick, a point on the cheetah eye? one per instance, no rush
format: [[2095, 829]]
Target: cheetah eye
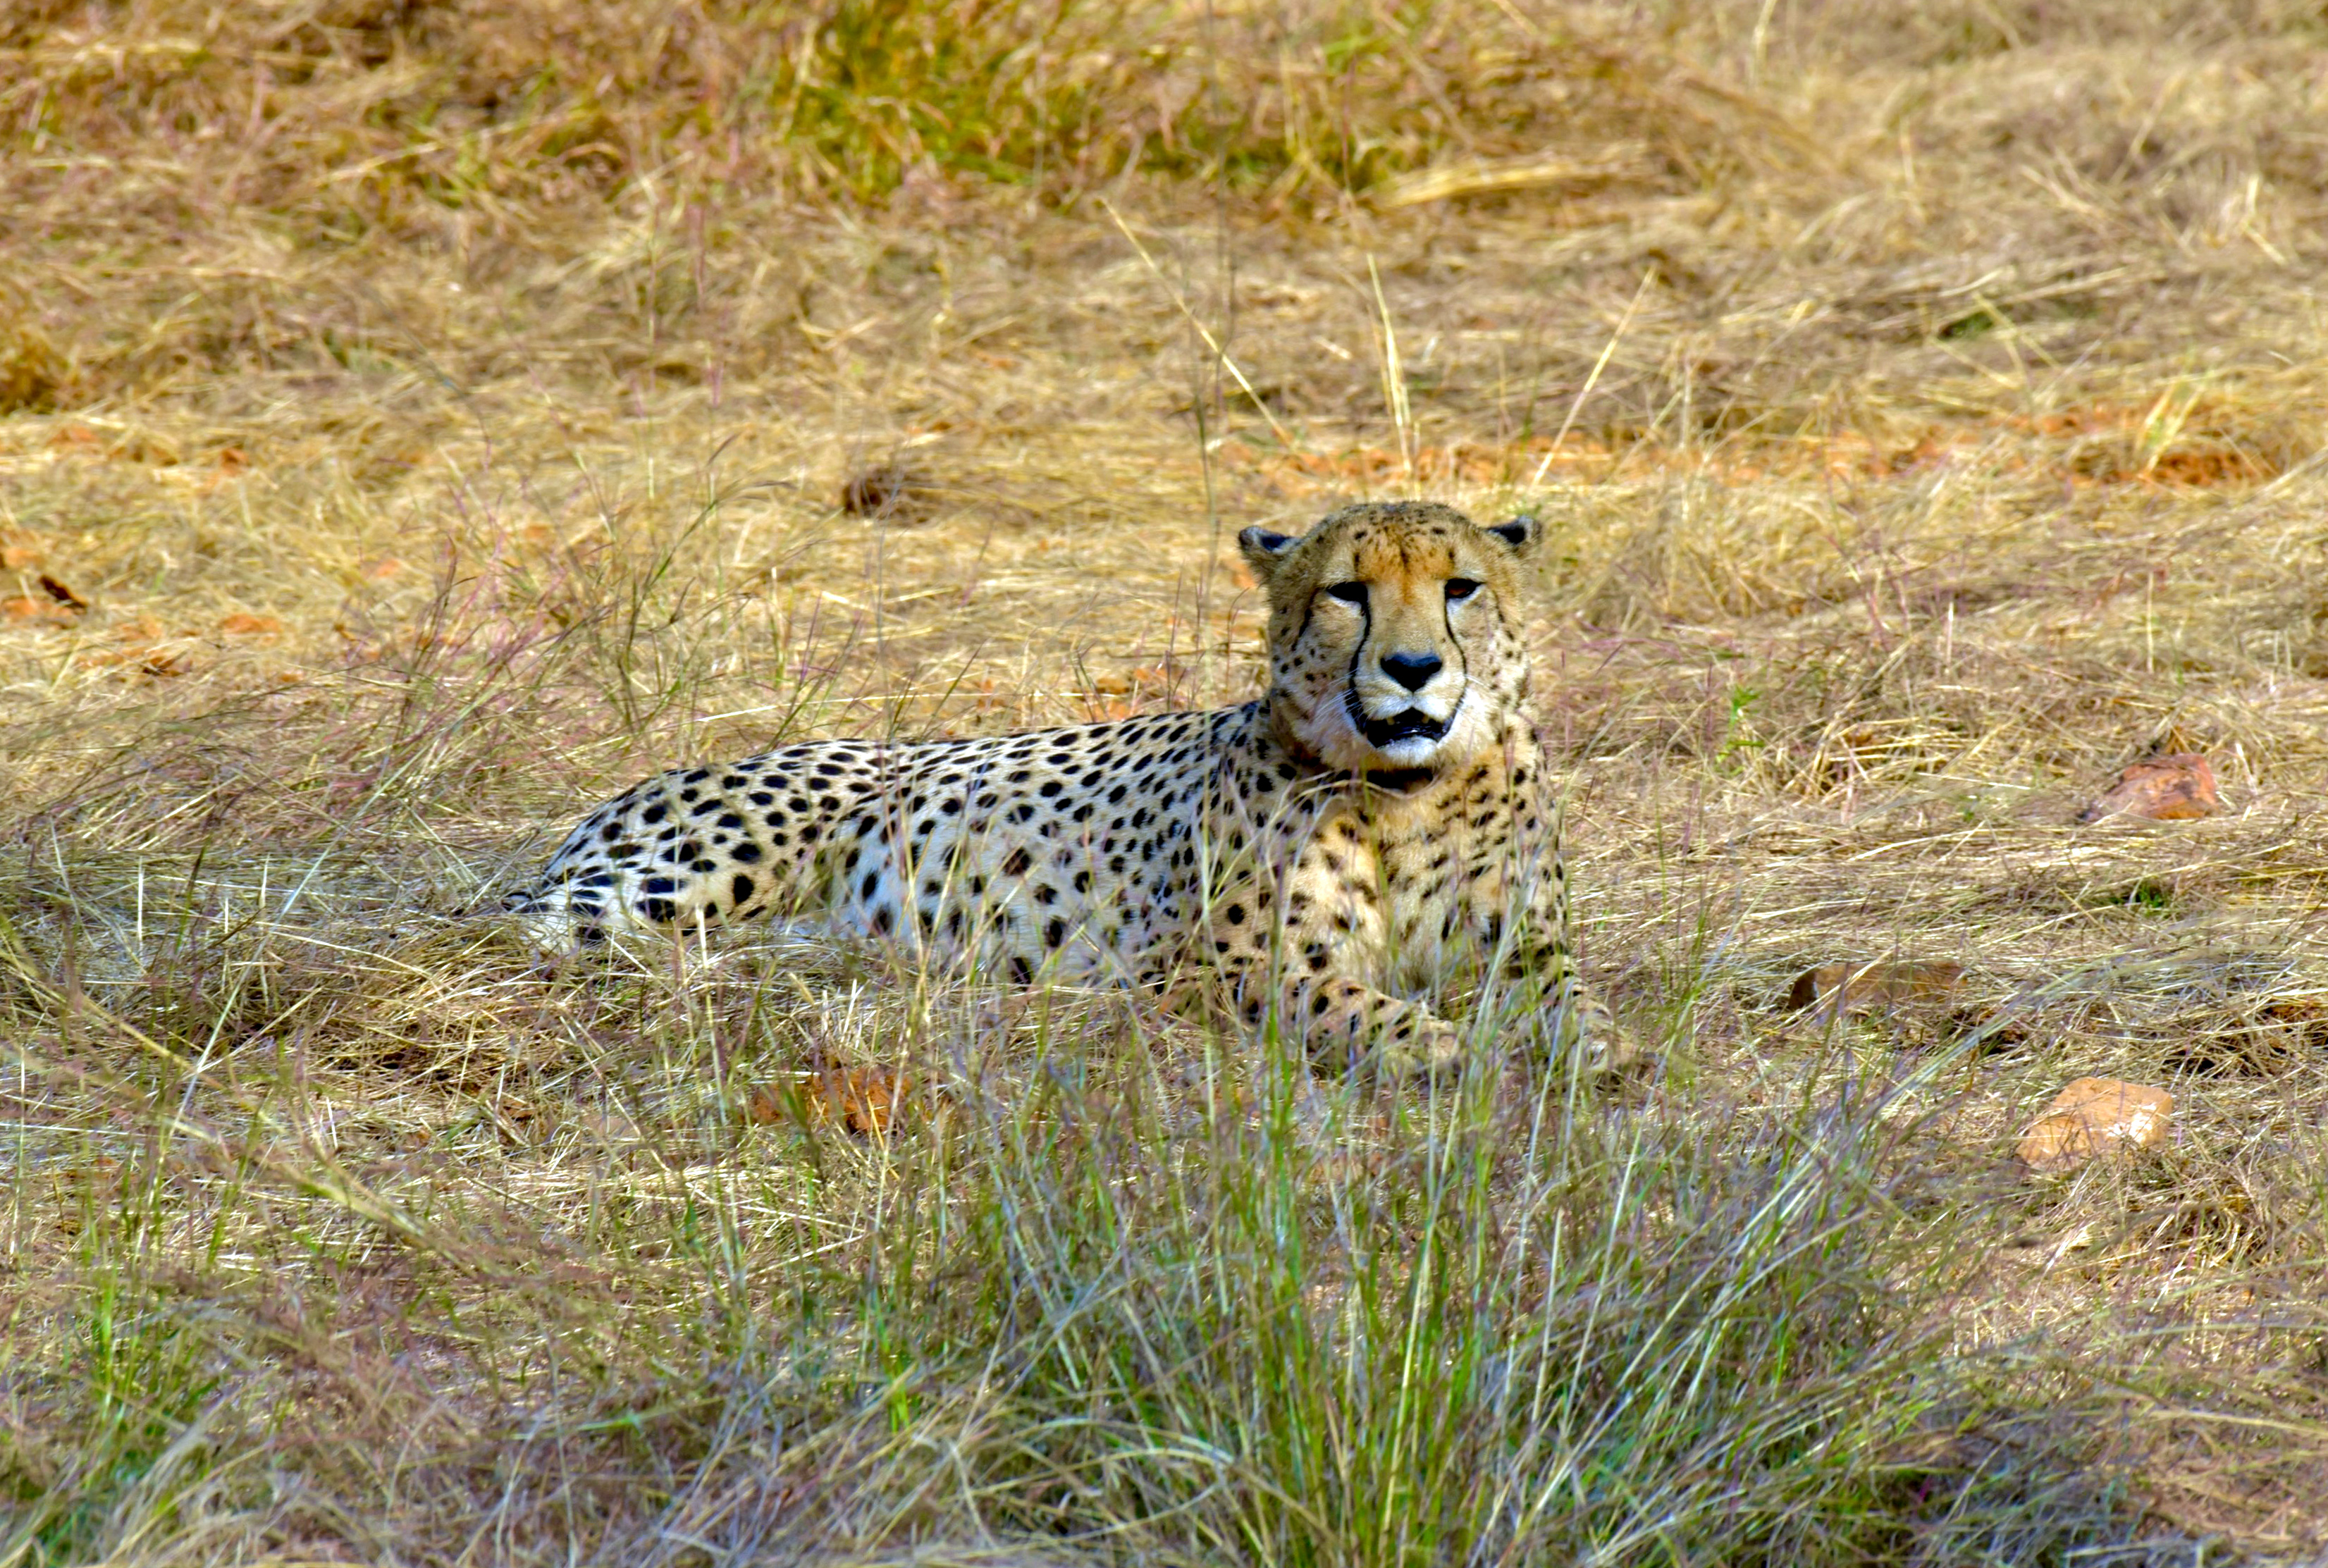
[[1459, 589], [1350, 593]]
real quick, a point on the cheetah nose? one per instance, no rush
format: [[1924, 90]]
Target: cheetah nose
[[1411, 669]]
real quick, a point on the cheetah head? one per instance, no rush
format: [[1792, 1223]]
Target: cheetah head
[[1393, 640]]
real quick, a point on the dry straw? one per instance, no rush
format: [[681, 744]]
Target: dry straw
[[419, 421]]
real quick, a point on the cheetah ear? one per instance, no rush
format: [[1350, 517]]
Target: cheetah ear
[[1522, 533], [1265, 551]]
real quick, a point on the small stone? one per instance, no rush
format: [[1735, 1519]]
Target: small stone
[[1862, 987], [2095, 1116], [2180, 788]]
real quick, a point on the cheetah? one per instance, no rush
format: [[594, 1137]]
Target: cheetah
[[1379, 828]]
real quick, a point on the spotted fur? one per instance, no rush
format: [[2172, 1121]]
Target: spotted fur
[[1379, 828]]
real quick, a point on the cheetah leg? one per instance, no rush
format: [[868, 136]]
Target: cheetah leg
[[1587, 1026], [1397, 1037], [1342, 1022], [1581, 1023], [1545, 957]]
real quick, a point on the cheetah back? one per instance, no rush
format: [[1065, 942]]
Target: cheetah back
[[1074, 850]]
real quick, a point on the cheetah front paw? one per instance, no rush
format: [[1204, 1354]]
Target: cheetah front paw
[[1420, 1047], [1600, 1042]]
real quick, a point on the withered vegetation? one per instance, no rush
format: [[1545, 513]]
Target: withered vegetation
[[417, 420]]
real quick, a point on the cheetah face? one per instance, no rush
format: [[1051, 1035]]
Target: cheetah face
[[1393, 638]]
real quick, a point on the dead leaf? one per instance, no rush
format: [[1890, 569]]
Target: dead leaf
[[862, 1100], [29, 612], [2094, 1116], [2164, 789], [887, 490], [141, 660], [32, 371], [1150, 678], [1881, 985]]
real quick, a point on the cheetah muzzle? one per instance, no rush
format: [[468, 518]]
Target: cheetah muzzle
[[1377, 828], [1413, 724]]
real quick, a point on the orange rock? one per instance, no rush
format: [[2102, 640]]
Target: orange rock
[[2095, 1116], [1864, 988], [2164, 789]]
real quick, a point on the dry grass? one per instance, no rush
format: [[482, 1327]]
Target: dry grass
[[416, 421]]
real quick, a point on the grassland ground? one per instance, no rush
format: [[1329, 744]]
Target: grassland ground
[[418, 422]]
